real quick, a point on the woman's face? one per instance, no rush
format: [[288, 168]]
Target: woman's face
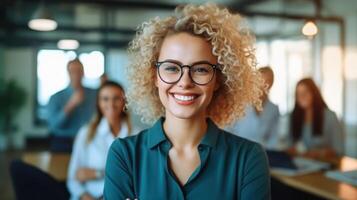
[[304, 96], [111, 102], [185, 99]]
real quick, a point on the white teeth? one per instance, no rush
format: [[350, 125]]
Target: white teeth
[[184, 98]]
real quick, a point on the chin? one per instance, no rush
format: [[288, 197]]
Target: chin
[[184, 113]]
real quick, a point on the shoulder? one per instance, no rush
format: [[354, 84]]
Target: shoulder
[[239, 144], [125, 151], [249, 155], [90, 90], [58, 94], [329, 115], [245, 149], [271, 106], [329, 112], [129, 144], [82, 133]]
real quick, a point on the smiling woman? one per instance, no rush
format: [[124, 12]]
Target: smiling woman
[[229, 41], [86, 168], [189, 72], [177, 96]]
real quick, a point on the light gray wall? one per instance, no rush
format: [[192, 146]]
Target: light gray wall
[[351, 84], [117, 62], [19, 65]]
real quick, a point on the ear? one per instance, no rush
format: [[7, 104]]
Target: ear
[[218, 82], [156, 79], [217, 85]]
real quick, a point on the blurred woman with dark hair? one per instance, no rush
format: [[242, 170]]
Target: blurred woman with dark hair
[[314, 128], [86, 169]]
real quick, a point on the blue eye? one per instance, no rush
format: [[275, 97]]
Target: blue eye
[[170, 68], [202, 69], [104, 98]]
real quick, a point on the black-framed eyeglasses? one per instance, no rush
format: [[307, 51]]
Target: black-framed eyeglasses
[[201, 73]]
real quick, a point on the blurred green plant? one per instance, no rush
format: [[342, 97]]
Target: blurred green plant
[[12, 98]]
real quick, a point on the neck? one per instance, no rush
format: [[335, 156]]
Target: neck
[[77, 87], [115, 125], [264, 100], [308, 114], [185, 132]]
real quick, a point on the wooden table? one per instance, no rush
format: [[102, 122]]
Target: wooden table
[[55, 164], [318, 184]]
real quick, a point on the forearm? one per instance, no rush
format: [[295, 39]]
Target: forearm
[[86, 196], [323, 152], [69, 107], [56, 119], [95, 174], [87, 174], [75, 188], [256, 180], [118, 180]]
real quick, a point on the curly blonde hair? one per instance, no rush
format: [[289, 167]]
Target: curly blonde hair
[[232, 44]]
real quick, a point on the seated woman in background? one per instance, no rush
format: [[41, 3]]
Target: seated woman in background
[[189, 72], [86, 168], [314, 128]]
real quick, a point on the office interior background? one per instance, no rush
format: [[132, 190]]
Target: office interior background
[[98, 32]]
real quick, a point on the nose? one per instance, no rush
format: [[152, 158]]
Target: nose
[[185, 80]]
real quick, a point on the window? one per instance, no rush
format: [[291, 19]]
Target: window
[[52, 74], [291, 61]]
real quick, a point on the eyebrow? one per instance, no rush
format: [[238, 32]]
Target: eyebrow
[[196, 62]]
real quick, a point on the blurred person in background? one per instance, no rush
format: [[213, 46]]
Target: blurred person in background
[[86, 168], [260, 126], [70, 109], [103, 78], [315, 130]]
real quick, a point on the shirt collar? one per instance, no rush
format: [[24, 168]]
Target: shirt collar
[[104, 129], [210, 138], [157, 134]]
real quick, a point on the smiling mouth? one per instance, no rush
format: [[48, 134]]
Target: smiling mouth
[[185, 99]]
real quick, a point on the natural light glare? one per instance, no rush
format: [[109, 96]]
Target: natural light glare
[[351, 59], [52, 71], [291, 61], [332, 78], [93, 64], [71, 55], [262, 53], [280, 87], [295, 62]]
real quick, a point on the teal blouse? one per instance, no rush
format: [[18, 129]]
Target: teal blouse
[[231, 168]]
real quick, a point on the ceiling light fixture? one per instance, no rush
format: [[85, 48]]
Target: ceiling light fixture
[[68, 44], [42, 20], [310, 29]]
